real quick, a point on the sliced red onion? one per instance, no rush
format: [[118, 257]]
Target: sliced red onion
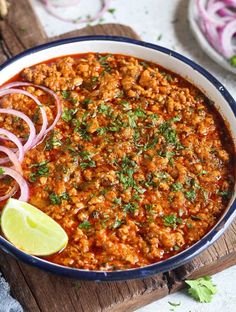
[[217, 20], [226, 38], [50, 8], [10, 193], [227, 12], [20, 181], [13, 158], [53, 94], [42, 110], [13, 138], [210, 18], [32, 135]]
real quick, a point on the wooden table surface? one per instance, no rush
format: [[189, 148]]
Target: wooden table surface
[[40, 291]]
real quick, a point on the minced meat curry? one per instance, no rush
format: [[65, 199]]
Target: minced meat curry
[[139, 166]]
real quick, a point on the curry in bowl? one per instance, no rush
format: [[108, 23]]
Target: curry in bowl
[[138, 167]]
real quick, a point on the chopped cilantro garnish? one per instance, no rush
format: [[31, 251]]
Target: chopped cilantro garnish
[[65, 94], [90, 164], [202, 289], [168, 133], [68, 114], [85, 225], [202, 172], [55, 199], [52, 141], [2, 171], [144, 64], [190, 195], [104, 109], [84, 134], [172, 221], [111, 10], [126, 105], [150, 144], [176, 248], [117, 223], [86, 102], [225, 194], [101, 131], [140, 113], [86, 155], [35, 117], [105, 64], [132, 119], [130, 207], [65, 196], [233, 61], [117, 201], [41, 170], [176, 187], [173, 304], [154, 116]]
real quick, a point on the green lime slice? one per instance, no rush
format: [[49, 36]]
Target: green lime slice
[[31, 230]]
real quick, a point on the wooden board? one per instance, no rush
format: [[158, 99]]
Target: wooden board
[[39, 291]]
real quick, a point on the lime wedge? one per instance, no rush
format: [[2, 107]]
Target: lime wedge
[[31, 230]]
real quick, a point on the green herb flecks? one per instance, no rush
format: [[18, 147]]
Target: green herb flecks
[[85, 225], [172, 221], [53, 141], [111, 10], [117, 223], [54, 199], [130, 207], [68, 114], [176, 187], [202, 289], [103, 60], [89, 164], [2, 171], [57, 199], [66, 95], [41, 170], [226, 194], [173, 304], [168, 132], [190, 195], [233, 61]]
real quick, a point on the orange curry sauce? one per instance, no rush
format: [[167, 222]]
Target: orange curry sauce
[[139, 167]]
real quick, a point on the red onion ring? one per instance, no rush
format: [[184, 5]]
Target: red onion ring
[[226, 37], [217, 20], [53, 94], [30, 124], [16, 165], [50, 8], [20, 181], [42, 110], [13, 138], [13, 158], [207, 17]]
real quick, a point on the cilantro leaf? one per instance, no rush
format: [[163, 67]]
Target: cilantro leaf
[[233, 61], [173, 304], [85, 225], [2, 171], [202, 289], [172, 221]]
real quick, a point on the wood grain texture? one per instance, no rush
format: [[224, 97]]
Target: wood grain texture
[[40, 291]]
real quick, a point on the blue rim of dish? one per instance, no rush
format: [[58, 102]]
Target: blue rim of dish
[[155, 268]]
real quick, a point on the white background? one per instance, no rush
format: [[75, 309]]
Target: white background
[[163, 22]]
